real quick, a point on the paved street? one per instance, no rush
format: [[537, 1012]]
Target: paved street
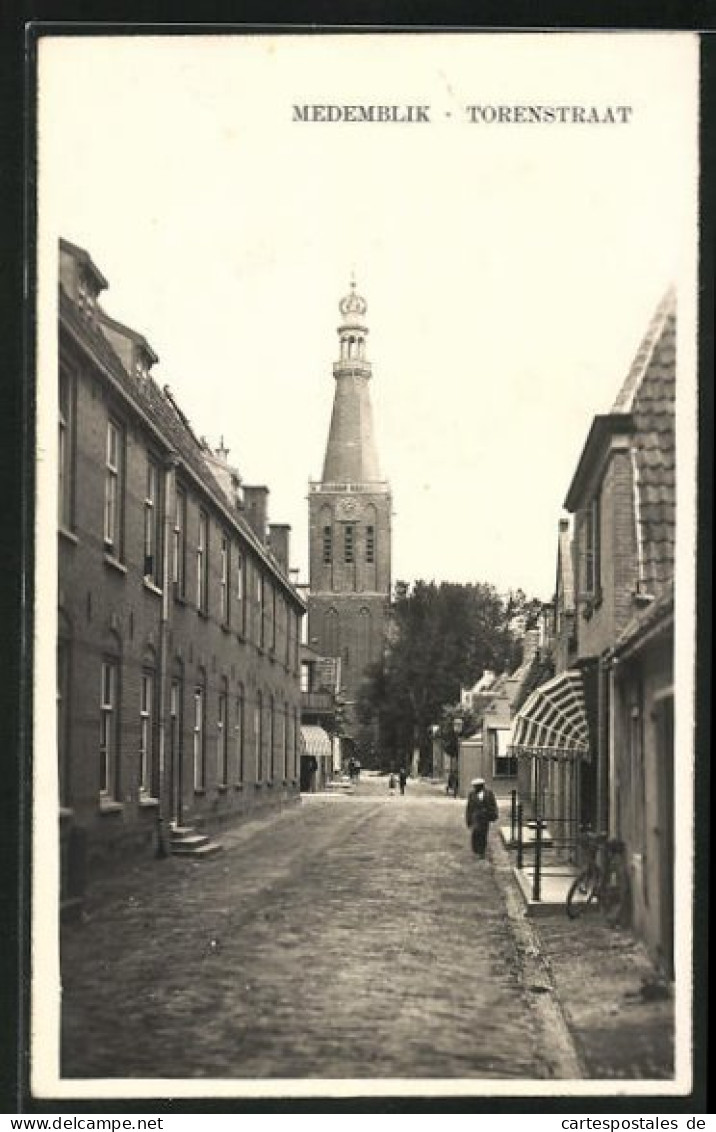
[[350, 936]]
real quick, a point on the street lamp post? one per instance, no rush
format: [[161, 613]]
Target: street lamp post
[[457, 726], [434, 732]]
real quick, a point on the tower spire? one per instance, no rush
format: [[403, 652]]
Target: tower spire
[[351, 455], [350, 520]]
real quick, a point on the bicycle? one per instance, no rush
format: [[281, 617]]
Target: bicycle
[[604, 879]]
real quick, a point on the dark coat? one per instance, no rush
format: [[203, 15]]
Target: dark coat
[[481, 809]]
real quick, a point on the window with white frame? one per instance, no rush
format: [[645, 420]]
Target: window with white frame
[[65, 451], [222, 740], [202, 562], [260, 594], [179, 544], [504, 763], [241, 589], [239, 737], [146, 734], [285, 740], [287, 634], [225, 575], [152, 524], [280, 622], [272, 739], [198, 739], [258, 738], [289, 741], [113, 502], [108, 729], [175, 743], [592, 548]]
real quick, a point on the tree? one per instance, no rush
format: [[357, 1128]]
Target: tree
[[443, 636]]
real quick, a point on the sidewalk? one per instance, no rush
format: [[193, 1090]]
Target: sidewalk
[[620, 1016]]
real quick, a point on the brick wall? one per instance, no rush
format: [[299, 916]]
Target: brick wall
[[326, 509], [109, 611], [608, 614], [358, 591]]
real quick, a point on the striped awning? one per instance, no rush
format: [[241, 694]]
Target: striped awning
[[552, 722], [315, 742]]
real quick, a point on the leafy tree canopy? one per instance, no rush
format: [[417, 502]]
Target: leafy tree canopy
[[443, 636]]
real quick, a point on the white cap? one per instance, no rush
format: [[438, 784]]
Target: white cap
[[478, 782]]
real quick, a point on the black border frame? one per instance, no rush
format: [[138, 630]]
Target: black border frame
[[17, 278]]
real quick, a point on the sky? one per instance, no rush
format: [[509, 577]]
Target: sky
[[510, 270]]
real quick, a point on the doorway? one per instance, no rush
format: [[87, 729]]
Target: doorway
[[663, 718]]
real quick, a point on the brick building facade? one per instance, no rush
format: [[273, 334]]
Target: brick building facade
[[622, 499], [614, 638], [178, 692], [350, 520]]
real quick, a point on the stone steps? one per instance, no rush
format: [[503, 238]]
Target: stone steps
[[185, 841]]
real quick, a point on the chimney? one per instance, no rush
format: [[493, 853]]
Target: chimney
[[530, 645], [564, 524], [256, 509], [279, 535]]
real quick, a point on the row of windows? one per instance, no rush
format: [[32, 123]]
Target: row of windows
[[261, 729], [247, 600], [349, 543]]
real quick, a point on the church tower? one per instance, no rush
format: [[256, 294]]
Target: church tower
[[349, 517]]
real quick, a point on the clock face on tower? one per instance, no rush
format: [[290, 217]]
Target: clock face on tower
[[348, 509]]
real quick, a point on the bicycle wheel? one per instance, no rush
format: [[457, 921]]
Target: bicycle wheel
[[582, 893]]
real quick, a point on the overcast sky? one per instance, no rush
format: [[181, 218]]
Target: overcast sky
[[510, 270]]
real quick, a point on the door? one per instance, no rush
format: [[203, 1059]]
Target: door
[[663, 717], [175, 761]]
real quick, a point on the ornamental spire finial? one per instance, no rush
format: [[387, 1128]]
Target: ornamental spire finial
[[352, 304]]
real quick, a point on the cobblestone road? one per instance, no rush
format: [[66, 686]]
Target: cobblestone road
[[350, 936]]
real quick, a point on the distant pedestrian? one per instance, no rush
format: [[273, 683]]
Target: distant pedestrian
[[480, 812], [402, 779], [391, 783], [451, 787]]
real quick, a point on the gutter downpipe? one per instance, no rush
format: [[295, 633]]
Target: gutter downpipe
[[613, 818], [164, 812]]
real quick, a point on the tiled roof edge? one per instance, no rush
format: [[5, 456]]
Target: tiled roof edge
[[88, 337], [625, 398]]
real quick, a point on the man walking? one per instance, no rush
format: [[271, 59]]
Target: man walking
[[402, 779], [481, 811]]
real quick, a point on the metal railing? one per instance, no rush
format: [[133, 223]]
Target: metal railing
[[566, 839], [373, 486], [318, 701]]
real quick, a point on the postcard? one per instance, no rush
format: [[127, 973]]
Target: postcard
[[365, 596]]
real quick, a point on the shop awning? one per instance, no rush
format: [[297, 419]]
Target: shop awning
[[552, 722], [316, 742]]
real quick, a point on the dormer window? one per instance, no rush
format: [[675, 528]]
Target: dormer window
[[141, 369], [86, 295]]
